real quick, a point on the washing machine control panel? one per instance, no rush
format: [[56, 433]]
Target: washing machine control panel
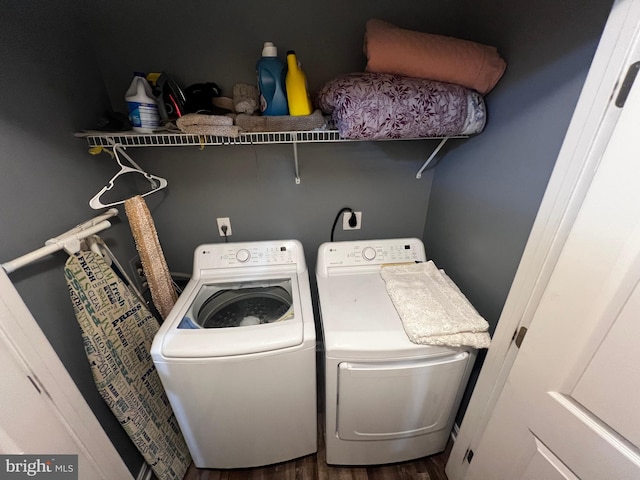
[[374, 252], [243, 255], [225, 255]]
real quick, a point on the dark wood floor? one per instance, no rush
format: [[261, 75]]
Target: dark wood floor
[[314, 467]]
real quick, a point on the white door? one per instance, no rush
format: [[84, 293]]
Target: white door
[[28, 423], [569, 408], [41, 410]]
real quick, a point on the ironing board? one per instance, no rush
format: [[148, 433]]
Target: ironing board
[[117, 331]]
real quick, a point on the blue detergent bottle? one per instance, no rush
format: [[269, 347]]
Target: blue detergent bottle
[[271, 82]]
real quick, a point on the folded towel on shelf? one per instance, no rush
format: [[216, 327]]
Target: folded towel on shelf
[[224, 103], [200, 124], [246, 98], [432, 308], [281, 123]]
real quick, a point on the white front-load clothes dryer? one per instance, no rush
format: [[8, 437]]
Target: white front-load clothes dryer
[[387, 399], [236, 356]]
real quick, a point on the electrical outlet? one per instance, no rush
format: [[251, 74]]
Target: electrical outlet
[[346, 216], [226, 223]]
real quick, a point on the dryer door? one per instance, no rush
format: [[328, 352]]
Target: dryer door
[[381, 401]]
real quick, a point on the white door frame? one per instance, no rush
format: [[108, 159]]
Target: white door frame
[[52, 379], [593, 120]]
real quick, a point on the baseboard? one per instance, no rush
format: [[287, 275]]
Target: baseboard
[[454, 432], [145, 472]]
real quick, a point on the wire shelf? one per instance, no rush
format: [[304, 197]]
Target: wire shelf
[[127, 139], [108, 139], [183, 139]]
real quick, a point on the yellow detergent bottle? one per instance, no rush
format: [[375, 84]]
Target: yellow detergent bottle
[[297, 89]]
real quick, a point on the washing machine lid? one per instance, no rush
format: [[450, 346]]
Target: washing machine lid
[[214, 318]]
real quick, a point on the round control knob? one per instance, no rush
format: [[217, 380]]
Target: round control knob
[[369, 253], [243, 255]]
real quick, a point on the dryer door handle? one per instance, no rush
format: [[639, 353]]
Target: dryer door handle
[[397, 366]]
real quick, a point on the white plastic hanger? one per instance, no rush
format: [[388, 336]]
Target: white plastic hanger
[[157, 183]]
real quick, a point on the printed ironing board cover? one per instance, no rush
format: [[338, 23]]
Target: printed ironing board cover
[[117, 331]]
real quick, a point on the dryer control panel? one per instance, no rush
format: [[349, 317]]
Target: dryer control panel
[[230, 255], [369, 253]]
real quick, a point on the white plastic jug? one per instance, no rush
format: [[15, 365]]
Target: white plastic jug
[[142, 106]]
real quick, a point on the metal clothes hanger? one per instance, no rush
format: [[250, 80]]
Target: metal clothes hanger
[[157, 183], [97, 245]]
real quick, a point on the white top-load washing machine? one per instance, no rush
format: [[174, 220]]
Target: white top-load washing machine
[[387, 399], [236, 356]]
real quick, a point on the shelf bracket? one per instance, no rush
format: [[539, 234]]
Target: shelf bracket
[[295, 160], [431, 157]]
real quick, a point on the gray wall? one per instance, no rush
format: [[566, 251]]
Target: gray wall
[[486, 191], [51, 87], [475, 218]]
